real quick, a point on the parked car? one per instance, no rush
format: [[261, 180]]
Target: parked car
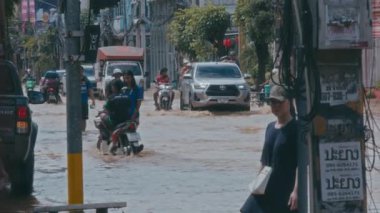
[[18, 132], [50, 80], [214, 83]]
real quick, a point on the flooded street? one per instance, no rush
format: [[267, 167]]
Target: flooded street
[[197, 162], [192, 161]]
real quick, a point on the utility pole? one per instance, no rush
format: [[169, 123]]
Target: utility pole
[[2, 29], [329, 37], [73, 106]]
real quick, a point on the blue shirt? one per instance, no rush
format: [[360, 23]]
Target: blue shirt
[[136, 94], [85, 86]]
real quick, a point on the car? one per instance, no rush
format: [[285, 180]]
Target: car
[[18, 132], [210, 84], [50, 79]]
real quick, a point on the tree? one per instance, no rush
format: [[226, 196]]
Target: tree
[[41, 50], [256, 17], [199, 31], [9, 7]]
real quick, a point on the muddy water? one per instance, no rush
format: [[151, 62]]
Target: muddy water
[[193, 161]]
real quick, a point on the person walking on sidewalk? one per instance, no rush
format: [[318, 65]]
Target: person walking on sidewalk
[[280, 153], [86, 92]]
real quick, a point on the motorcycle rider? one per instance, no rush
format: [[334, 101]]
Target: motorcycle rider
[[162, 78], [116, 111], [116, 74], [136, 94]]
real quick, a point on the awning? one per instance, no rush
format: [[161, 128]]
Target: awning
[[120, 53]]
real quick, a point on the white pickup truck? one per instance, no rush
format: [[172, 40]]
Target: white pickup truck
[[124, 58]]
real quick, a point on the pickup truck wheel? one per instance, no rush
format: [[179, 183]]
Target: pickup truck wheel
[[22, 180]]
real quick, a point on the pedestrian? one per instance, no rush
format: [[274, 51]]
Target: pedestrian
[[280, 153], [135, 93], [86, 92]]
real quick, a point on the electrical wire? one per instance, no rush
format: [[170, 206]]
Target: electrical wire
[[307, 63]]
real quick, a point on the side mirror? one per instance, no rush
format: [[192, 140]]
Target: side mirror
[[36, 97], [247, 76], [187, 76], [146, 74]]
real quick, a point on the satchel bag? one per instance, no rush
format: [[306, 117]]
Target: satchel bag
[[259, 184]]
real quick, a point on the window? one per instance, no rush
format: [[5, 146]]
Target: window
[[124, 67], [208, 71]]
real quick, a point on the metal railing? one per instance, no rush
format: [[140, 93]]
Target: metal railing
[[99, 207]]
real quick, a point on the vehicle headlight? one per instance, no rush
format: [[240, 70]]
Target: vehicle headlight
[[242, 87], [200, 86]]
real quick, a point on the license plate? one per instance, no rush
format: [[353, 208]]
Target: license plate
[[133, 136], [223, 100]]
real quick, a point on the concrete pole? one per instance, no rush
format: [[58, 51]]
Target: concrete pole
[[73, 106], [143, 34]]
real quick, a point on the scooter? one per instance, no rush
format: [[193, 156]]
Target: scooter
[[164, 96], [124, 140], [51, 95], [29, 85]]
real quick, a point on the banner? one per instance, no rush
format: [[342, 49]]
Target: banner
[[376, 18], [92, 34]]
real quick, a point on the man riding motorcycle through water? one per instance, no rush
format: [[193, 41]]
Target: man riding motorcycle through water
[[116, 111], [162, 78], [116, 74]]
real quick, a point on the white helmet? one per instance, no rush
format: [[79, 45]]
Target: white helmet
[[116, 71]]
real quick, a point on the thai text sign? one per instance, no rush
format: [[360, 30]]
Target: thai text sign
[[341, 171]]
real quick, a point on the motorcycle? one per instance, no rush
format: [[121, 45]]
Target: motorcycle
[[51, 95], [259, 95], [29, 85], [165, 96], [123, 140]]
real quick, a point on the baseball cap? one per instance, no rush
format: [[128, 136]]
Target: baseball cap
[[116, 71], [278, 93]]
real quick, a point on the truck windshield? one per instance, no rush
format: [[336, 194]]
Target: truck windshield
[[124, 67], [217, 72]]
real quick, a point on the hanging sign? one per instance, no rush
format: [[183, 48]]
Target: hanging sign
[[92, 34]]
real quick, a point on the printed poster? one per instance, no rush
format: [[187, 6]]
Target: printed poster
[[341, 172]]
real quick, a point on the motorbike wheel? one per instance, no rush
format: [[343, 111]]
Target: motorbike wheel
[[129, 150]]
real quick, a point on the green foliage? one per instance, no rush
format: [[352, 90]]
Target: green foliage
[[41, 50], [9, 7], [199, 31], [257, 18], [248, 59]]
